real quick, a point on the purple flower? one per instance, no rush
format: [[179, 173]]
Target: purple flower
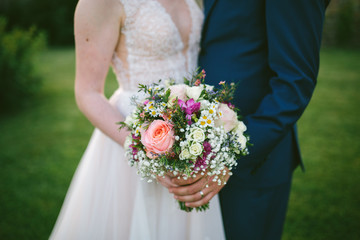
[[133, 147], [135, 137], [207, 148], [201, 161], [134, 150], [189, 107], [230, 105]]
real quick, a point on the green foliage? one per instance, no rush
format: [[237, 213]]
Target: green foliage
[[19, 80], [52, 16], [341, 24], [345, 23]]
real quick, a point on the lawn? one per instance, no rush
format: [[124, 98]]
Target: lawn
[[41, 146], [325, 200]]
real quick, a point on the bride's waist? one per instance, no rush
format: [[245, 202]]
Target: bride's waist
[[124, 100], [125, 94], [131, 82]]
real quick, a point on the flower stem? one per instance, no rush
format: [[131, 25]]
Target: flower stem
[[189, 209]]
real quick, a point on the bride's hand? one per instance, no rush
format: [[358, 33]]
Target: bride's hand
[[169, 182], [197, 191], [166, 181]]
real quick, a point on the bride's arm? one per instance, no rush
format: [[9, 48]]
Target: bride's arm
[[97, 25]]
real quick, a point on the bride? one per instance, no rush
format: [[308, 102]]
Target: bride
[[144, 41]]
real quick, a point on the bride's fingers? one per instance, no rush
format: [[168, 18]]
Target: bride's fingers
[[200, 192], [170, 174], [189, 189], [190, 180], [194, 197], [202, 201], [211, 188], [166, 181]]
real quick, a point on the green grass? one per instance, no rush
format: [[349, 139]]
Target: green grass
[[325, 200], [41, 146]]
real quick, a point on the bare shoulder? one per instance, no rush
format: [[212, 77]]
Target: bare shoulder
[[98, 12], [97, 25]]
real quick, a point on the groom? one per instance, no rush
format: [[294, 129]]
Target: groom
[[271, 49]]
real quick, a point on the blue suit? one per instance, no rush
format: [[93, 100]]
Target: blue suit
[[271, 48]]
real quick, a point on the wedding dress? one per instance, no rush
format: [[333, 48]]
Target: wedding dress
[[106, 199]]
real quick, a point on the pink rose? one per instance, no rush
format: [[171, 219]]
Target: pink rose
[[178, 91], [158, 138], [228, 118]]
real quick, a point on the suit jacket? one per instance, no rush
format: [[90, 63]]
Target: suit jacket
[[271, 49]]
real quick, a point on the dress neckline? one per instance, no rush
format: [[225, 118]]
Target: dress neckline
[[165, 11], [126, 63]]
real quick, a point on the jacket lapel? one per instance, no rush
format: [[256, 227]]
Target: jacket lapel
[[208, 6]]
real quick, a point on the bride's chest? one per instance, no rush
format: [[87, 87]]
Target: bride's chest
[[152, 29]]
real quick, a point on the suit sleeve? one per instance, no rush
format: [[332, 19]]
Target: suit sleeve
[[294, 30]]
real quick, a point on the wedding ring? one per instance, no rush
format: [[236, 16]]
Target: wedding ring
[[202, 194]]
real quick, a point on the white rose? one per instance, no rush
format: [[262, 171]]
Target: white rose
[[194, 92], [242, 140], [209, 87], [196, 149], [185, 154], [205, 104], [240, 127], [197, 134]]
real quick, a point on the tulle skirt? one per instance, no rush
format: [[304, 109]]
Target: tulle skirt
[[107, 200]]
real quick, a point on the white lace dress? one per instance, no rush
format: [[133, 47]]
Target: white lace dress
[[106, 199]]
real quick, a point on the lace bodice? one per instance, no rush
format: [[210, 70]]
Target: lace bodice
[[153, 43]]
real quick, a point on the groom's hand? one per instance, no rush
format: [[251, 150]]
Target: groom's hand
[[197, 191]]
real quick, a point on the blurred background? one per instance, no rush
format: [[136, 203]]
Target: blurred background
[[43, 135]]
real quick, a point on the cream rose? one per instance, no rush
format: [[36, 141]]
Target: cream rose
[[240, 127], [195, 149], [204, 104], [194, 92], [178, 91], [185, 154], [209, 87], [197, 135], [239, 131], [228, 118], [159, 137], [242, 140]]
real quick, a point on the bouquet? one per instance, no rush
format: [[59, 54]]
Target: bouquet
[[185, 130]]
